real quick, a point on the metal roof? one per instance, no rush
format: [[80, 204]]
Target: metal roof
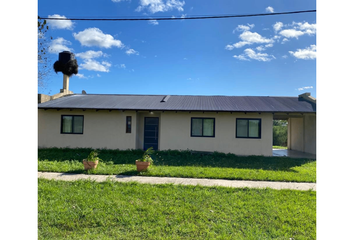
[[181, 103]]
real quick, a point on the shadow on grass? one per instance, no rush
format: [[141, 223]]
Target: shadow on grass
[[176, 158], [93, 172], [222, 160], [77, 172]]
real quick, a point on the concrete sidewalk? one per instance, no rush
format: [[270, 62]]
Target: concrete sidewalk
[[182, 181]]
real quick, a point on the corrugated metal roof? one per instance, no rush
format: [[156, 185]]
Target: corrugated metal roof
[[180, 103]]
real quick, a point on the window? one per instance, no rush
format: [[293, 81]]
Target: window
[[73, 124], [128, 125], [203, 127], [248, 128]]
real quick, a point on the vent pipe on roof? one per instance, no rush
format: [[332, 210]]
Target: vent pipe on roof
[[165, 98]]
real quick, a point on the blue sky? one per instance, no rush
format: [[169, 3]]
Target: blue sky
[[255, 56]]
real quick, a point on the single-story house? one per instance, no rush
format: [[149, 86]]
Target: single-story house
[[231, 124]]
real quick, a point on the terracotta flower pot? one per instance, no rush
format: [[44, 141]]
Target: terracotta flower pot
[[89, 165], [141, 166]]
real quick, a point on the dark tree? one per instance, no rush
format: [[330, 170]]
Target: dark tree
[[44, 62]]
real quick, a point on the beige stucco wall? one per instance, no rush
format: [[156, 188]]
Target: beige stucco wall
[[310, 134], [295, 134], [302, 134], [102, 129], [175, 131]]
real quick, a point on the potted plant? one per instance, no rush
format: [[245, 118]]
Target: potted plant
[[91, 161], [145, 161]]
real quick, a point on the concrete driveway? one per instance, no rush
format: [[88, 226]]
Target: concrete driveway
[[292, 154]]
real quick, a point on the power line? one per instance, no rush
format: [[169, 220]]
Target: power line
[[175, 18]]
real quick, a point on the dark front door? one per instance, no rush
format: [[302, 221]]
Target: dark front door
[[151, 132]]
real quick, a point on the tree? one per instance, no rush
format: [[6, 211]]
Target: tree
[[44, 63], [280, 133]]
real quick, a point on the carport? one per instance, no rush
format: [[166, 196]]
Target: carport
[[301, 130]]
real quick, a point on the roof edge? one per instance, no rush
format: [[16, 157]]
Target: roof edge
[[174, 110]]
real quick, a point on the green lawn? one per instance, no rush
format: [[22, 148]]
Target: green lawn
[[279, 147], [182, 164], [113, 210]]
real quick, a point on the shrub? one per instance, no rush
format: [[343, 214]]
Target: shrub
[[280, 135]]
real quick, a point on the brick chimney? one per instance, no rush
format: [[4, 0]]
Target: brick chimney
[[307, 97]]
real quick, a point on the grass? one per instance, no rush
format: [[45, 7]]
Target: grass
[[279, 147], [111, 210], [182, 164]]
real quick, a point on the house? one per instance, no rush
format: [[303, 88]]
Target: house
[[231, 124]]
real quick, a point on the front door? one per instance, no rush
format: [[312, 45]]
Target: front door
[[151, 132]]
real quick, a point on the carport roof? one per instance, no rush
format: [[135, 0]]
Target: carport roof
[[181, 103]]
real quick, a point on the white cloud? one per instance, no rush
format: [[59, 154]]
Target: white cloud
[[251, 54], [291, 33], [283, 33], [284, 40], [153, 22], [59, 45], [258, 56], [229, 47], [243, 28], [248, 38], [60, 24], [253, 37], [90, 54], [241, 57], [131, 51], [155, 6], [307, 53], [241, 44], [94, 65], [107, 64], [95, 37], [298, 29], [79, 75], [269, 9], [277, 26], [260, 48], [304, 88], [122, 65], [309, 29]]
